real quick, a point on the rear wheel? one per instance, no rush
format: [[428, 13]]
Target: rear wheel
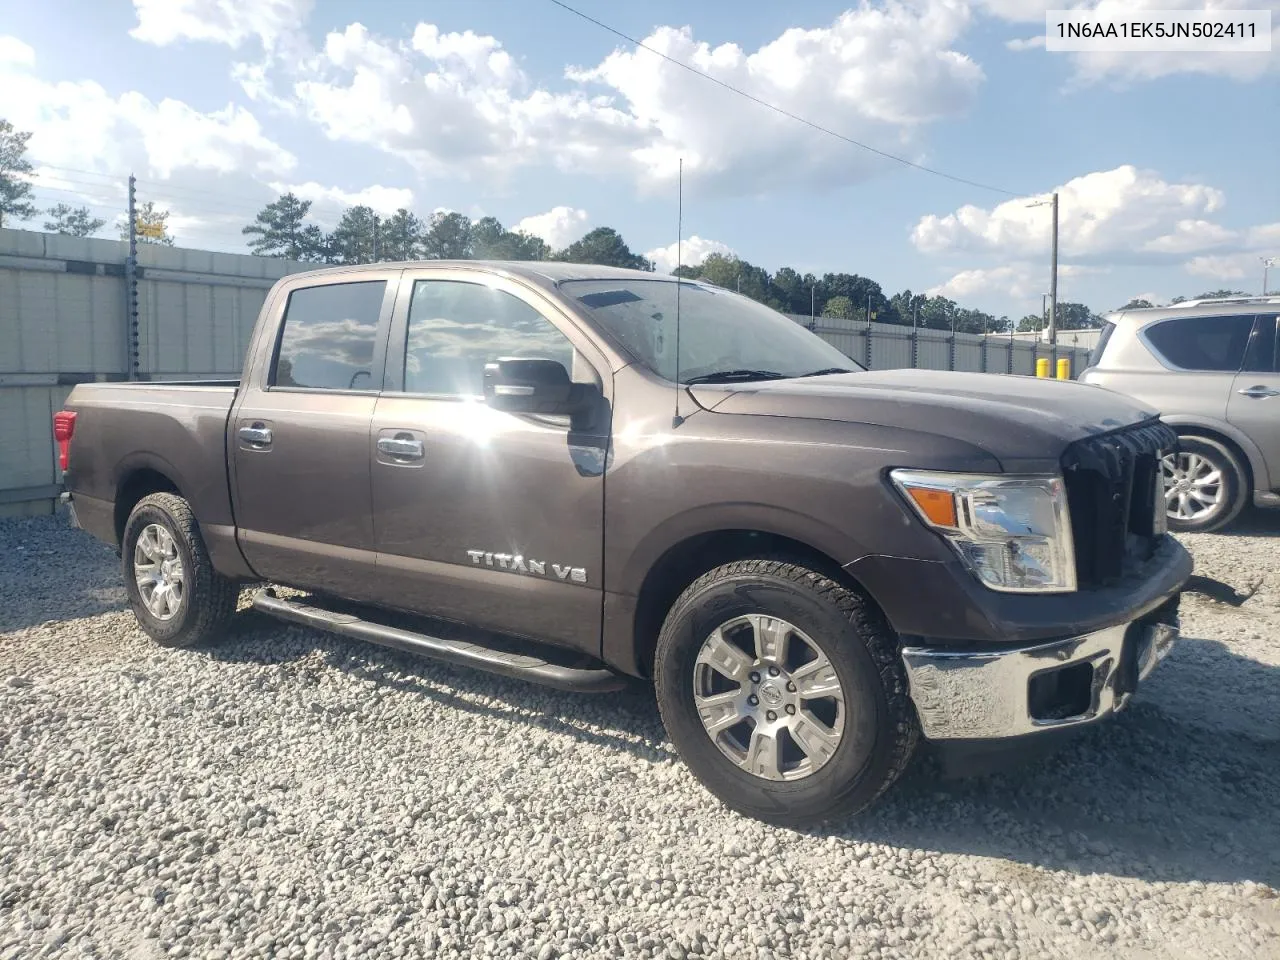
[[1205, 485], [177, 596], [784, 692]]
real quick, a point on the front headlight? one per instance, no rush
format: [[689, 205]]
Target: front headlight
[[1013, 532]]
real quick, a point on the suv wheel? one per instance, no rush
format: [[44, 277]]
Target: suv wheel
[[177, 596], [1204, 485], [784, 692]]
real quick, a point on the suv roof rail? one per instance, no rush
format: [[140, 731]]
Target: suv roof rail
[[1210, 300]]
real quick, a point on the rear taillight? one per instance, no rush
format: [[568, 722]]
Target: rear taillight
[[64, 425]]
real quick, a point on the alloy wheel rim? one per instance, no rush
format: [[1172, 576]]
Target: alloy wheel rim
[[158, 571], [1193, 486], [768, 697]]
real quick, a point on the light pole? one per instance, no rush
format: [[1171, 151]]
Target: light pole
[[1267, 264], [1053, 272]]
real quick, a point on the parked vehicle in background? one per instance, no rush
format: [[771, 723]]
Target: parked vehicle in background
[[1212, 369], [815, 564]]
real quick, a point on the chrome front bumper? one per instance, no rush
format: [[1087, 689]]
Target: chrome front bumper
[[989, 694]]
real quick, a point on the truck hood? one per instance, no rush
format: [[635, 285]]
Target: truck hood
[[1017, 420]]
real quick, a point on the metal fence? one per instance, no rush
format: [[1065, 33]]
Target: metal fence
[[887, 345], [64, 319]]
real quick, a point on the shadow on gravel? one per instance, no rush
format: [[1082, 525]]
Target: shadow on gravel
[[1153, 793], [52, 571], [632, 711], [1255, 523], [1147, 794]]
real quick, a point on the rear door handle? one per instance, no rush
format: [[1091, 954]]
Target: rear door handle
[[401, 449], [1258, 392], [256, 436]]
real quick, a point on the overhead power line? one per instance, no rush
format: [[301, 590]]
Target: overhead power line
[[782, 110]]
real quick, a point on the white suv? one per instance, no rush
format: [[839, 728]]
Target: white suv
[[1211, 368]]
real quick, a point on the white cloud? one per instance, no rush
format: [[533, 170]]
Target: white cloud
[[1102, 212], [559, 226], [230, 22], [1265, 235], [1029, 43], [1020, 281], [694, 250], [1190, 235], [329, 202], [13, 52], [78, 124], [1232, 266], [459, 102]]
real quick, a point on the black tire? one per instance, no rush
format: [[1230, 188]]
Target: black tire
[[208, 599], [880, 727], [1235, 492]]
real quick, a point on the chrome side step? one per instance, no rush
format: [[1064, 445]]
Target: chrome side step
[[462, 652]]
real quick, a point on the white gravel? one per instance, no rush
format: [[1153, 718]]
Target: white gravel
[[290, 794]]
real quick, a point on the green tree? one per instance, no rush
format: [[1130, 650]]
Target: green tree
[[792, 290], [448, 237], [352, 240], [400, 236], [490, 240], [1031, 323], [1219, 294], [840, 306], [280, 230], [151, 224], [73, 222], [686, 272], [15, 189], [1138, 304], [734, 273], [604, 246]]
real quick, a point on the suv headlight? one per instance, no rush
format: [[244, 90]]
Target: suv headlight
[[1014, 532]]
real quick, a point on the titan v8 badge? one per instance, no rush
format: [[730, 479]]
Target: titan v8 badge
[[518, 564]]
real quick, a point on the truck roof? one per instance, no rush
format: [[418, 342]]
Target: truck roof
[[552, 271]]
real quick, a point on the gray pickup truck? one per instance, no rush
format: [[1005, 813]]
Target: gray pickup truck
[[574, 474]]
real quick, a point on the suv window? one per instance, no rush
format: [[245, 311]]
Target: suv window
[[328, 336], [1095, 355], [1202, 343], [1263, 355], [456, 327]]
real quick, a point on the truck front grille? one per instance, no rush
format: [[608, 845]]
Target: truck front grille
[[1117, 516]]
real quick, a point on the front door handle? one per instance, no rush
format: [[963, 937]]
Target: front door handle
[[1258, 392], [401, 449], [256, 436]]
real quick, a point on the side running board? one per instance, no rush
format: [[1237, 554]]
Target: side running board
[[462, 652]]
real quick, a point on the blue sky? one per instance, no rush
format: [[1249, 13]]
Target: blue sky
[[1165, 162]]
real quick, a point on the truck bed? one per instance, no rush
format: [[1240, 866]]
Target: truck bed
[[125, 430]]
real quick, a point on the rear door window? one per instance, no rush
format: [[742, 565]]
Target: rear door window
[[1202, 343], [1095, 355], [328, 336], [1263, 355]]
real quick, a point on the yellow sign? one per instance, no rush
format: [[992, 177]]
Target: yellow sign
[[150, 229]]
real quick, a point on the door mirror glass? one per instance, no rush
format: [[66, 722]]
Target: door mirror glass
[[532, 385]]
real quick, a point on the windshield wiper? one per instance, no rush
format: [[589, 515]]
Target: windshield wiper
[[824, 371], [734, 376]]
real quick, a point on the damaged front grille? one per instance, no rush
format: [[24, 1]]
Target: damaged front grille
[[1115, 492]]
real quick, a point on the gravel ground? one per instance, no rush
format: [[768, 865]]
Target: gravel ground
[[291, 794]]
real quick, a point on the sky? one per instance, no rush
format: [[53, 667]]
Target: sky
[[1167, 165]]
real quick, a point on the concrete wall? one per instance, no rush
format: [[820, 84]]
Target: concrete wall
[[62, 322]]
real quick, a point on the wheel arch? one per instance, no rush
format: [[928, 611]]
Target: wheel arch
[[1238, 443], [140, 477], [689, 558]]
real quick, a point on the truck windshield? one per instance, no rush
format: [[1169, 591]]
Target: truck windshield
[[723, 336]]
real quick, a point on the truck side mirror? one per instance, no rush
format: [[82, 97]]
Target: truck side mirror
[[532, 385]]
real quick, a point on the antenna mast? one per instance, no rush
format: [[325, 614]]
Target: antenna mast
[[676, 420]]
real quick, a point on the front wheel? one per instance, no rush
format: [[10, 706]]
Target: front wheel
[[177, 596], [1204, 485], [784, 692]]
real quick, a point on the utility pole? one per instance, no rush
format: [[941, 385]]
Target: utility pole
[[1053, 279], [1053, 271], [1267, 264], [812, 305], [131, 285], [375, 238]]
